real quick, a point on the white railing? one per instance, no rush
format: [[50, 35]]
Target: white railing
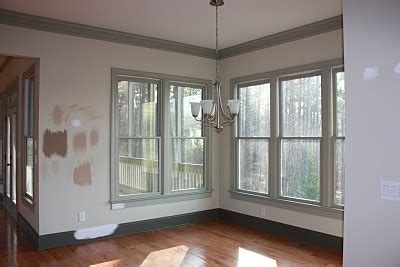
[[137, 175]]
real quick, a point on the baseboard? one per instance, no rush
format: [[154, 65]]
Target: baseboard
[[67, 238], [297, 234], [300, 235], [29, 231]]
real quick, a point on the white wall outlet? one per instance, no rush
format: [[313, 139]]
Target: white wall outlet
[[390, 190], [82, 216], [263, 212]]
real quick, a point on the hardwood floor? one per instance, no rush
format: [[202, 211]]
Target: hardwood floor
[[215, 243]]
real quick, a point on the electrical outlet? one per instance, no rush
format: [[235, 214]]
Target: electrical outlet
[[82, 216], [390, 189], [263, 212]]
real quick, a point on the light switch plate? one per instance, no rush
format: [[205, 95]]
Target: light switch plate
[[82, 216], [390, 190]]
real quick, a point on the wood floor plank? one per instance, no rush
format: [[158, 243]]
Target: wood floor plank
[[213, 243]]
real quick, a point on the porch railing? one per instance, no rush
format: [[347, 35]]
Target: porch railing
[[137, 175]]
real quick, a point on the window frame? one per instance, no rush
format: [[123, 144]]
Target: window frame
[[165, 194], [324, 207], [335, 136], [30, 74]]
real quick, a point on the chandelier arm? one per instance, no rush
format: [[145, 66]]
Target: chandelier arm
[[218, 84]]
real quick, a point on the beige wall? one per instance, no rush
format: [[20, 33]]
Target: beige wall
[[371, 35], [77, 71], [314, 49]]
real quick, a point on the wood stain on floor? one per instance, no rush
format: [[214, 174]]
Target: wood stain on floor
[[55, 143], [82, 175]]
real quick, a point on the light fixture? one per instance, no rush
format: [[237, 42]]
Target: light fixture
[[213, 111]]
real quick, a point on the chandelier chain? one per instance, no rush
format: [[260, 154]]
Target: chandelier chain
[[216, 45]]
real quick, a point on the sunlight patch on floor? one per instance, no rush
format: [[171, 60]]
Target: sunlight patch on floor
[[166, 257], [253, 259]]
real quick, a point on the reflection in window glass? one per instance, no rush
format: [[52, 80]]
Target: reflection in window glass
[[253, 165], [300, 169], [301, 107], [187, 148]]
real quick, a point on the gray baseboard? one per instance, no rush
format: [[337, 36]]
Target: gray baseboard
[[67, 238], [297, 234], [300, 235]]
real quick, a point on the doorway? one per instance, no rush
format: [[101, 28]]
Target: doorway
[[10, 156]]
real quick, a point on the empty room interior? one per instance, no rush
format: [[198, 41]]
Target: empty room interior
[[199, 133]]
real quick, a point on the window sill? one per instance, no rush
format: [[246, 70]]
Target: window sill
[[154, 199], [313, 209]]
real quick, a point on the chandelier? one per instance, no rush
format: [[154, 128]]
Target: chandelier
[[214, 114]]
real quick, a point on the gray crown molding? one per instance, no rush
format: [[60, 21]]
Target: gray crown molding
[[323, 26], [75, 29], [13, 18]]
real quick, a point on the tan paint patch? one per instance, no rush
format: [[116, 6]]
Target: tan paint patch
[[55, 143], [55, 166], [94, 137], [58, 115], [80, 141], [82, 175]]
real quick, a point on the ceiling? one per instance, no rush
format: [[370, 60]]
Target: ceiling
[[186, 21]]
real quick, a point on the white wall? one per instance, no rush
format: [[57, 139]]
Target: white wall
[[314, 49], [78, 71], [371, 35]]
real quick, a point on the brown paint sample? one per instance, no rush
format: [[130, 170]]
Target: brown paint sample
[[94, 137], [58, 115], [80, 141], [55, 166], [55, 143], [82, 175]]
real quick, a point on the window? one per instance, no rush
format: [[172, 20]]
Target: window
[[339, 134], [29, 115], [289, 138], [159, 150], [300, 137], [253, 136]]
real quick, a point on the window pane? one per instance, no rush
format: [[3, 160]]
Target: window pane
[[182, 121], [138, 168], [255, 110], [340, 104], [187, 163], [29, 166], [300, 169], [339, 172], [253, 165], [301, 106], [137, 108]]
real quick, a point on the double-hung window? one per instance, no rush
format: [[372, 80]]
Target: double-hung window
[[29, 93], [159, 151], [339, 134], [254, 131], [289, 138]]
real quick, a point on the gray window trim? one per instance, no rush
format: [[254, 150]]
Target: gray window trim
[[325, 206], [165, 194]]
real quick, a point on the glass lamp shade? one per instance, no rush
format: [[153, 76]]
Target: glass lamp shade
[[195, 107], [207, 106], [233, 105]]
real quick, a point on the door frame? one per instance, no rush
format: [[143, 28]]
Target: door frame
[[10, 106]]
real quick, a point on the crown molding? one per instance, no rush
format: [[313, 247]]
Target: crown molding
[[75, 29], [322, 26], [13, 18]]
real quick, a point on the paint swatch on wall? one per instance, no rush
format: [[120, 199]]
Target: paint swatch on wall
[[80, 141], [58, 115], [94, 137], [55, 143], [82, 175]]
